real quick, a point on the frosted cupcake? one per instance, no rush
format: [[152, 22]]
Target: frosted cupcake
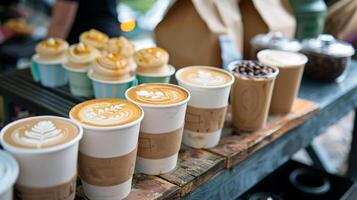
[[152, 65], [47, 62], [123, 47], [94, 38], [111, 76], [79, 59]]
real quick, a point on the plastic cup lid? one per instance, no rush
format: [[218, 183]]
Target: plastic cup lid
[[9, 171]]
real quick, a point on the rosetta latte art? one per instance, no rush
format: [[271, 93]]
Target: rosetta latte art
[[105, 113], [42, 133]]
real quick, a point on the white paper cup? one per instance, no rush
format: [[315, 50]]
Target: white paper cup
[[9, 171], [109, 142], [205, 97], [160, 119], [48, 167]]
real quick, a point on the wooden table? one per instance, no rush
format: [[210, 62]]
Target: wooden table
[[239, 161]]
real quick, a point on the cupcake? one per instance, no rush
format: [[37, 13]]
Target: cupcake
[[111, 76], [79, 59], [152, 65], [94, 38], [47, 62], [123, 47]]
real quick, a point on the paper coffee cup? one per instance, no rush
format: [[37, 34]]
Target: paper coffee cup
[[48, 73], [287, 84], [206, 112], [161, 129], [251, 94], [109, 145], [46, 148], [155, 78], [79, 83], [9, 171], [111, 89]]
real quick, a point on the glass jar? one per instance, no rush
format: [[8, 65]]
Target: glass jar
[[328, 58]]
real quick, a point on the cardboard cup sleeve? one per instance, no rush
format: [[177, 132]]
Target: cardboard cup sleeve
[[66, 191], [107, 171], [205, 120], [162, 145]]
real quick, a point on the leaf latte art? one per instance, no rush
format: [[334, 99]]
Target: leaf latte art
[[43, 132], [40, 133]]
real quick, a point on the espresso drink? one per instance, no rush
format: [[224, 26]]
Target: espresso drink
[[40, 133], [287, 84], [108, 149], [157, 94], [161, 129], [46, 148], [251, 94], [206, 111]]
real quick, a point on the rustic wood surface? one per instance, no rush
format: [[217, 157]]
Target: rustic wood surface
[[261, 156]]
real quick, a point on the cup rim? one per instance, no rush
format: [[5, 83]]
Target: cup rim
[[109, 128], [19, 150], [55, 62], [300, 64], [170, 73], [158, 105], [90, 71], [232, 65], [206, 67], [10, 175]]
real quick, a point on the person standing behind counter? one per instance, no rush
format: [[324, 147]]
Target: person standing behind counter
[[72, 17]]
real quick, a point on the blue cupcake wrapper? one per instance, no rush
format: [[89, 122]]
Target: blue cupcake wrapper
[[111, 90], [51, 75]]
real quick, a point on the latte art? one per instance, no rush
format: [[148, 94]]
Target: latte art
[[106, 112], [157, 94], [40, 133], [204, 76]]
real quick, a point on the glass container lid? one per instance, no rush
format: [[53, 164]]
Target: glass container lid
[[275, 40], [327, 45]]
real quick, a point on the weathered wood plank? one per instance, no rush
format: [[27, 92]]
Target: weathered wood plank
[[194, 168], [233, 146], [144, 187]]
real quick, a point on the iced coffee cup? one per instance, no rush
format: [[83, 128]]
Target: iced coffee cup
[[161, 129], [46, 148], [108, 149], [251, 94], [287, 84], [9, 171], [206, 110]]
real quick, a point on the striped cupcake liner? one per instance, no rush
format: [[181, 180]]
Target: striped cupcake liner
[[50, 75], [111, 90]]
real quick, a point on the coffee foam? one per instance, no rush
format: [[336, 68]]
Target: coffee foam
[[106, 112], [40, 133], [204, 76], [279, 58], [157, 94]]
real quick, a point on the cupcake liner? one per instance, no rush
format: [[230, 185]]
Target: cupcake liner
[[111, 90], [50, 75], [80, 84]]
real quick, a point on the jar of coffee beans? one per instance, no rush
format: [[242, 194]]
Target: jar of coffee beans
[[273, 40], [328, 58]]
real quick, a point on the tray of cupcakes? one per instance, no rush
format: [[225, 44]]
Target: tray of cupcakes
[[98, 66], [137, 120]]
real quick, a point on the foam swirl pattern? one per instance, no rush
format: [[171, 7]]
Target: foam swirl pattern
[[106, 112], [157, 94], [204, 76]]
